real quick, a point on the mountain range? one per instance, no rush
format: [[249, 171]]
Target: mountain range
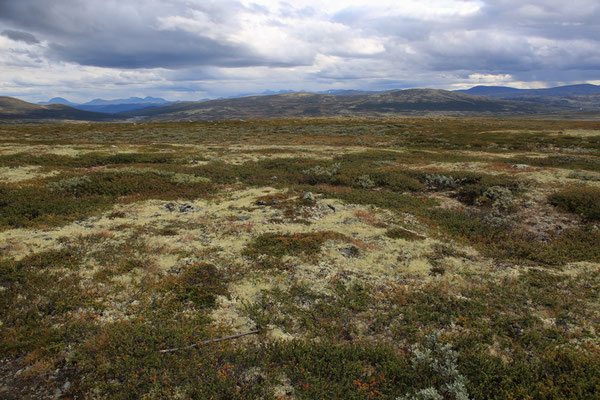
[[582, 97], [506, 92], [112, 106], [477, 101], [15, 110], [299, 104]]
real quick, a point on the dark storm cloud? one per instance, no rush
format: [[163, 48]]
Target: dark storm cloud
[[129, 35], [503, 36], [163, 50], [223, 47], [19, 36]]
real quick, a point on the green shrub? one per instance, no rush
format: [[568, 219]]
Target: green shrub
[[396, 180], [570, 245], [330, 370], [85, 160], [474, 186], [582, 200], [364, 182], [199, 283], [401, 233], [436, 365], [585, 176], [75, 197], [277, 245], [40, 294], [561, 161], [320, 174], [439, 181], [123, 360]]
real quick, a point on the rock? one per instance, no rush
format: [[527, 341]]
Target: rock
[[520, 166], [517, 330], [309, 196], [261, 203], [66, 386], [185, 208], [351, 251], [275, 201], [175, 270], [243, 218], [331, 207]]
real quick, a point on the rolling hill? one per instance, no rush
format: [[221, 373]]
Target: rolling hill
[[115, 106], [391, 103], [505, 92], [409, 102], [583, 97], [15, 110]]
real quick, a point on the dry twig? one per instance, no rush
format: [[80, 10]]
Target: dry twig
[[203, 342]]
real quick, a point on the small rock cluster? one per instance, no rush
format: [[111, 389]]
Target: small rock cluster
[[183, 208]]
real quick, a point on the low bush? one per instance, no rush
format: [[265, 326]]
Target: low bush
[[40, 294], [436, 364], [74, 197], [277, 245], [198, 283], [474, 186], [439, 181], [401, 233], [561, 161], [582, 200], [86, 160]]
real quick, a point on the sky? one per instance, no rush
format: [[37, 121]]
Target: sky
[[198, 49]]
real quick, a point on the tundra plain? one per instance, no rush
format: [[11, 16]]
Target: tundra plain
[[376, 259]]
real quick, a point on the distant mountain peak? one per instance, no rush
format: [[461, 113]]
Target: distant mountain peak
[[583, 89], [57, 100], [131, 100]]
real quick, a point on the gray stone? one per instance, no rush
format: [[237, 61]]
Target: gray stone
[[351, 251], [309, 196], [185, 208], [520, 166]]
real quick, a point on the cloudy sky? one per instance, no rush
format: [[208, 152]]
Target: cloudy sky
[[194, 49]]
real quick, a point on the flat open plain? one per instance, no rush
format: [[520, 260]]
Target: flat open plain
[[377, 258]]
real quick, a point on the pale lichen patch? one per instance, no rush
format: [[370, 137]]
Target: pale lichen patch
[[580, 132], [24, 173]]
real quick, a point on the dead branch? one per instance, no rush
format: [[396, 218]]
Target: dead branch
[[203, 342]]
